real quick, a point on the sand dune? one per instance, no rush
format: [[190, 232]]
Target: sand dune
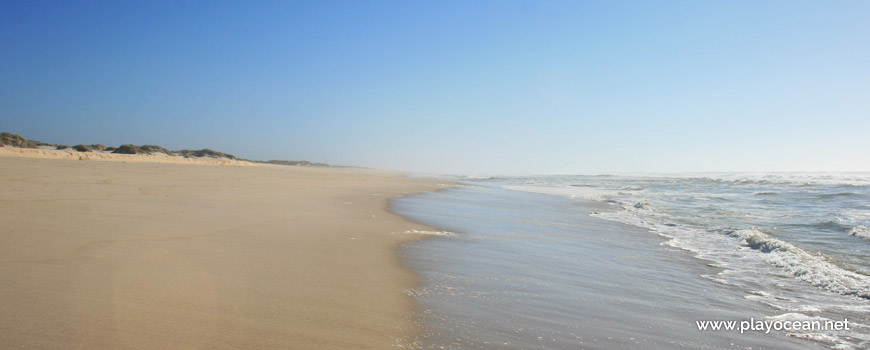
[[115, 157], [144, 255]]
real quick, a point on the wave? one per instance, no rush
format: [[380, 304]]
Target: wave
[[643, 205], [739, 181], [763, 231], [794, 261], [756, 239], [765, 193], [836, 195], [664, 207], [804, 266], [855, 180], [860, 231], [829, 225]]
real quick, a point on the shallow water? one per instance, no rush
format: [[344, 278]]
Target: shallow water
[[527, 270]]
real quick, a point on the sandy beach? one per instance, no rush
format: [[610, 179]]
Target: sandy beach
[[145, 255]]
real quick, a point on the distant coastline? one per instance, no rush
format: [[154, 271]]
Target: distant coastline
[[16, 145]]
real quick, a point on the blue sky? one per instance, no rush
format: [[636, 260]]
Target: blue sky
[[472, 87]]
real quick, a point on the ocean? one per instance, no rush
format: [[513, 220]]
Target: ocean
[[644, 261]]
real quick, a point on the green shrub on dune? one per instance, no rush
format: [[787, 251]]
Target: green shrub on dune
[[155, 149], [204, 153], [15, 140], [40, 143], [144, 149], [82, 148], [128, 149]]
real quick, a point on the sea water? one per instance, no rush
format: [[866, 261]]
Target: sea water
[[637, 261]]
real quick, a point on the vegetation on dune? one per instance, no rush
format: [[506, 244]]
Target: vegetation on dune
[[83, 148], [15, 140], [128, 149], [40, 143], [144, 149], [149, 149], [155, 149], [204, 153]]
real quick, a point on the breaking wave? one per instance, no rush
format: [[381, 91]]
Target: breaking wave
[[804, 266]]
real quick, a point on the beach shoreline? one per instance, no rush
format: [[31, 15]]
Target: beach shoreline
[[532, 270], [146, 254]]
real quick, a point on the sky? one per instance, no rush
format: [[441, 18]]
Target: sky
[[459, 87]]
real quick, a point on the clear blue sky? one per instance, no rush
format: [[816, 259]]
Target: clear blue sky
[[453, 87]]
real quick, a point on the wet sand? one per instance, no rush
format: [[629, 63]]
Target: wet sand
[[110, 255], [534, 271]]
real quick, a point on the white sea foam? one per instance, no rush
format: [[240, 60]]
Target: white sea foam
[[429, 233], [795, 316], [837, 339], [768, 231], [852, 179], [860, 231], [773, 239], [586, 193], [806, 267], [793, 260]]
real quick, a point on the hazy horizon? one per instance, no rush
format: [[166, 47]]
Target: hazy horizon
[[452, 87]]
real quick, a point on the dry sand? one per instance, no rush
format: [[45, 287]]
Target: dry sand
[[108, 255]]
